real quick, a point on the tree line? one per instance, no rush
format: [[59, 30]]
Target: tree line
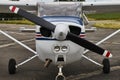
[[9, 16]]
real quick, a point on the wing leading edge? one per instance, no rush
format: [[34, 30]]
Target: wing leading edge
[[101, 7], [96, 7]]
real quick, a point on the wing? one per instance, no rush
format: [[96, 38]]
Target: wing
[[87, 6], [27, 5], [100, 7]]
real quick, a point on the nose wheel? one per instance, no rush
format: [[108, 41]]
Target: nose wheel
[[12, 66], [106, 66]]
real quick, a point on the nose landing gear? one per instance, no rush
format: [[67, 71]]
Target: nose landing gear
[[60, 75]]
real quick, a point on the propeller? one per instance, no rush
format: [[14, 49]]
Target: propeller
[[70, 36]]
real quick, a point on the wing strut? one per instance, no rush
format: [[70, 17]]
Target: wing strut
[[103, 40], [20, 43], [23, 45]]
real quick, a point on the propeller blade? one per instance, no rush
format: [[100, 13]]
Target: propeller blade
[[70, 36], [33, 18], [88, 45]]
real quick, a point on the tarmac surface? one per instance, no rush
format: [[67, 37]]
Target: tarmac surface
[[34, 70]]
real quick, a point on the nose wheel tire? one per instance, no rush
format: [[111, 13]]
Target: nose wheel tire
[[12, 66], [106, 66]]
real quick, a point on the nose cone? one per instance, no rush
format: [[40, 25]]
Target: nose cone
[[61, 31]]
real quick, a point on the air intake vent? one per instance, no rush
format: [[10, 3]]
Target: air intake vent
[[60, 58]]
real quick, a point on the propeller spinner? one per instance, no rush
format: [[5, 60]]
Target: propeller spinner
[[70, 36]]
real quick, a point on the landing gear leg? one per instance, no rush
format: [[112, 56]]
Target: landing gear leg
[[60, 75], [106, 66], [12, 64]]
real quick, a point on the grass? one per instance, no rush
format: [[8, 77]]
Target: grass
[[104, 16], [26, 22], [111, 20], [106, 20], [108, 24]]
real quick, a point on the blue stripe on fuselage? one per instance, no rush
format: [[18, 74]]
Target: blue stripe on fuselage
[[73, 19]]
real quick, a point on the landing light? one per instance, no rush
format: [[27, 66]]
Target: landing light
[[57, 48], [60, 48], [64, 48]]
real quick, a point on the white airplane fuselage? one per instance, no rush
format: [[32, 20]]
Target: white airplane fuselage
[[60, 52]]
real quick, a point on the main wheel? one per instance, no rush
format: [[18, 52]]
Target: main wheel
[[12, 66], [106, 66]]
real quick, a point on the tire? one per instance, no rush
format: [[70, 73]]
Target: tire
[[106, 66], [60, 77], [12, 66]]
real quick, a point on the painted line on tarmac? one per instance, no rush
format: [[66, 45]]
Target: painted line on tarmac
[[11, 44], [115, 43], [87, 75], [11, 32]]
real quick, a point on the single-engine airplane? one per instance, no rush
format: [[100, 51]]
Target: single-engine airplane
[[60, 33]]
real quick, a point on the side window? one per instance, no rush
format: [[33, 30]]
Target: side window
[[75, 30]]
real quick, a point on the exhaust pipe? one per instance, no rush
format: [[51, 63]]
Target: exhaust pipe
[[47, 63]]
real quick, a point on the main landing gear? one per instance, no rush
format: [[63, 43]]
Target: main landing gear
[[106, 66], [60, 76], [12, 66]]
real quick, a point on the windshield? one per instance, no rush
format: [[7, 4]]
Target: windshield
[[47, 9]]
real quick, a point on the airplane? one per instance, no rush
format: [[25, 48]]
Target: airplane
[[60, 33]]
